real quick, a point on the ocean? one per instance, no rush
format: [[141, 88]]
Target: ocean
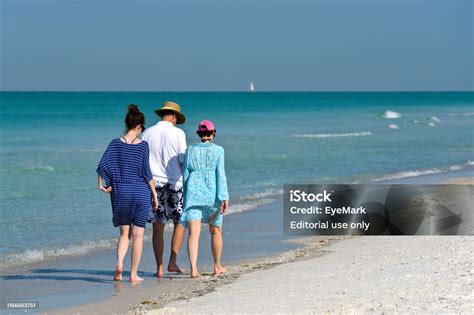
[[51, 143]]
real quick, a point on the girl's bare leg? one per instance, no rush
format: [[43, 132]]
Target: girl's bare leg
[[216, 241], [137, 248], [193, 246], [122, 247]]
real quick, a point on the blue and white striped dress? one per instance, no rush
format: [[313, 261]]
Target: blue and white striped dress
[[126, 168]]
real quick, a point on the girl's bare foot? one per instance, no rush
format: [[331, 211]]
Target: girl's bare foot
[[118, 273], [220, 270], [135, 279], [173, 267]]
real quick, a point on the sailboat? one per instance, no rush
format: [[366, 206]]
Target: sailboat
[[252, 88]]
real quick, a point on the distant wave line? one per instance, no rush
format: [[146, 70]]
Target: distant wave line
[[333, 135]]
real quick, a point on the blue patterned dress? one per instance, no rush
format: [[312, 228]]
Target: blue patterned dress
[[126, 168], [205, 183]]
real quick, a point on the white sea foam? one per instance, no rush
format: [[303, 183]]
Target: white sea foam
[[37, 255], [432, 124], [435, 119], [30, 256], [455, 167], [41, 168], [255, 200], [392, 126], [246, 206], [335, 135], [264, 194], [462, 114], [391, 115], [416, 173]]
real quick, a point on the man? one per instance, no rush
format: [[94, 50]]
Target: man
[[167, 147]]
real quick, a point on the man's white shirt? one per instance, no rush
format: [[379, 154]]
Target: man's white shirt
[[167, 147]]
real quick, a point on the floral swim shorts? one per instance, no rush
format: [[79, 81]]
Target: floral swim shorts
[[170, 204]]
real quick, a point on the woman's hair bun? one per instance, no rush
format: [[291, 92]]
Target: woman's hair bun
[[132, 108]]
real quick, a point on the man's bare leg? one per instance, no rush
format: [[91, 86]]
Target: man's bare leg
[[158, 245], [176, 242]]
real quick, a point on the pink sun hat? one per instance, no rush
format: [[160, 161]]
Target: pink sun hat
[[206, 125]]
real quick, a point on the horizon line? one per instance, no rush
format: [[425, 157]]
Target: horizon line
[[233, 91]]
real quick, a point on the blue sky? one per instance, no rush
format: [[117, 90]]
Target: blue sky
[[351, 45]]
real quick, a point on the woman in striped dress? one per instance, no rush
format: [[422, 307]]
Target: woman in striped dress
[[124, 172]]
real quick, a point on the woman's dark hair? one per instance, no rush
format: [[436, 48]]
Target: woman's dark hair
[[134, 117], [206, 133]]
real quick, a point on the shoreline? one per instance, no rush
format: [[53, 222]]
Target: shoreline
[[460, 177], [182, 287]]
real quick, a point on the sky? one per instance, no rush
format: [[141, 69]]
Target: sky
[[321, 45]]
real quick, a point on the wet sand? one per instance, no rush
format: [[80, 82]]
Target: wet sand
[[137, 300]]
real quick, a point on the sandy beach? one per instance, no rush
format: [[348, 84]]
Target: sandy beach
[[461, 181], [385, 274]]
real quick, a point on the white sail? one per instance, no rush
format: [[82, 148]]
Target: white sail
[[252, 88]]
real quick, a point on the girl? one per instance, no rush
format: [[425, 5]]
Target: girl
[[206, 197], [126, 171]]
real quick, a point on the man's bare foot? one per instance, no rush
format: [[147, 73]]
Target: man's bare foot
[[220, 270], [118, 273], [159, 272], [135, 279], [173, 267], [195, 275]]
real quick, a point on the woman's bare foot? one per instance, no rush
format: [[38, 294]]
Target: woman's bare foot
[[159, 272], [195, 275], [173, 267], [135, 279], [220, 270], [118, 273]]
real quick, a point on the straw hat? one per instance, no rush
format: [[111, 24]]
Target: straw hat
[[172, 106]]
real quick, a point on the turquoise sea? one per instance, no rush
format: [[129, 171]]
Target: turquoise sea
[[51, 143]]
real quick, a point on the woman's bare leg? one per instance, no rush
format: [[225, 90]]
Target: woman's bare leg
[[122, 247], [216, 242], [137, 248], [193, 246]]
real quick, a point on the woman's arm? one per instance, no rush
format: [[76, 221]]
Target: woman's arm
[[102, 172], [222, 192], [185, 170], [101, 185], [151, 184], [149, 177]]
